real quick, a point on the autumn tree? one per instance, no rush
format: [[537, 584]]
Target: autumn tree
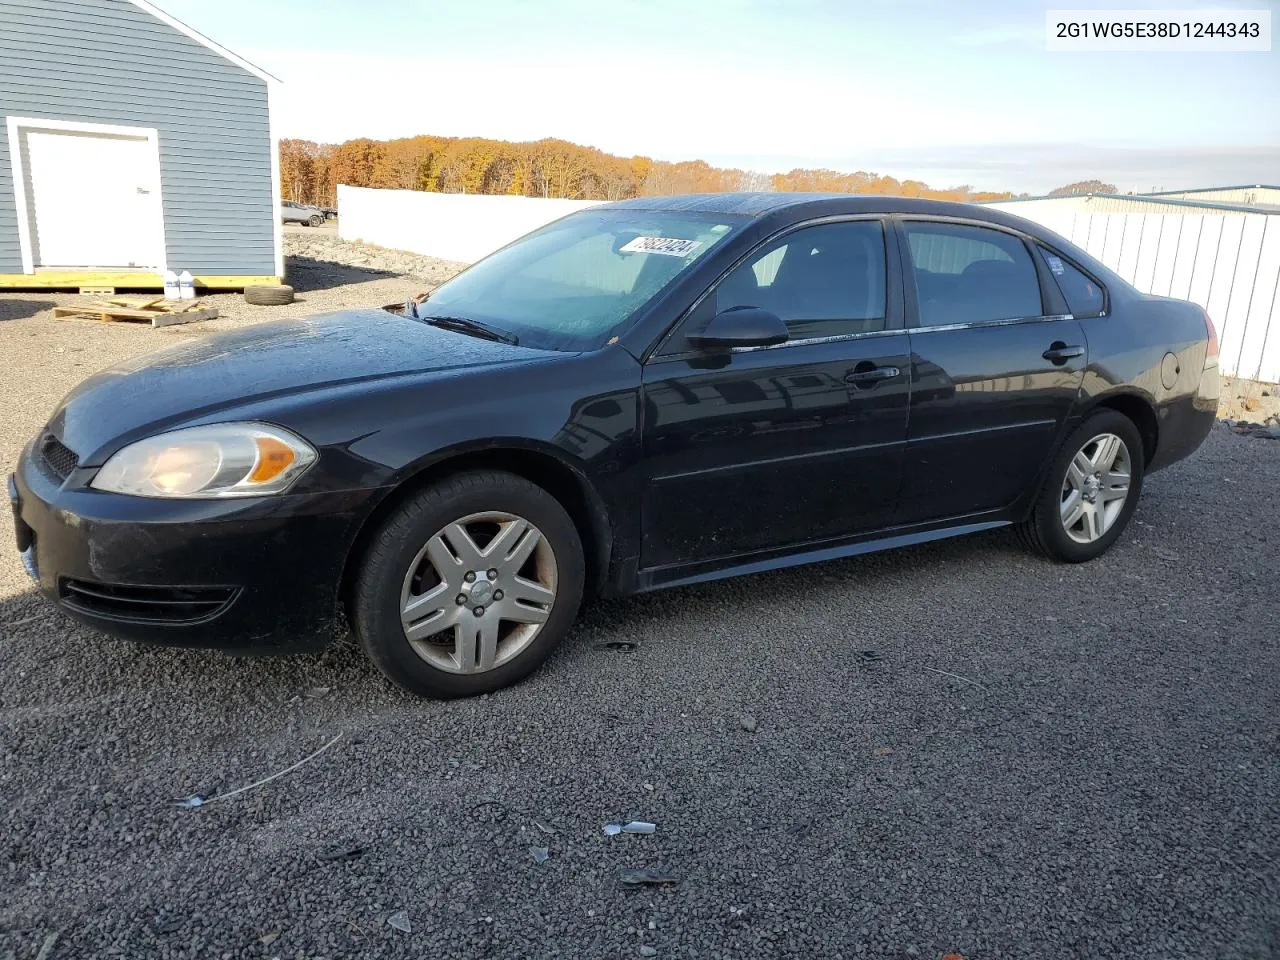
[[356, 162], [1084, 186], [304, 169], [310, 172]]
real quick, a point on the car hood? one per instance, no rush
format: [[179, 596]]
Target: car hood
[[162, 390]]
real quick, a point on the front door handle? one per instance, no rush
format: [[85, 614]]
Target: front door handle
[[865, 373], [1059, 352]]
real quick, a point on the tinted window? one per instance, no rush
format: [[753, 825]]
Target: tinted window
[[575, 282], [971, 274], [1084, 296], [822, 281]]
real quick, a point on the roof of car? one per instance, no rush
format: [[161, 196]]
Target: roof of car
[[800, 206], [760, 204]]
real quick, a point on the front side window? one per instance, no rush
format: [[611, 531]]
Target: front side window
[[824, 280], [574, 283], [1084, 296], [967, 274]]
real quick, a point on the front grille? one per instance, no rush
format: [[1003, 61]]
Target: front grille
[[149, 604], [58, 457]]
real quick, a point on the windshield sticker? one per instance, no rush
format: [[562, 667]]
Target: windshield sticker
[[1056, 265], [667, 246]]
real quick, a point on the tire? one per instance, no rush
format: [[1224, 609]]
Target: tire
[[268, 295], [316, 220], [1047, 530], [399, 589]]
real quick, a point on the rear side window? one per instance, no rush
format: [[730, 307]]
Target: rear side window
[[1084, 295], [967, 274]]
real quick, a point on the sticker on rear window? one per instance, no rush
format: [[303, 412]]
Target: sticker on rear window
[[1056, 265], [668, 246]]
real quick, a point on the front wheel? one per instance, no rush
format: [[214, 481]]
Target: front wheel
[[469, 585], [1091, 491], [316, 220]]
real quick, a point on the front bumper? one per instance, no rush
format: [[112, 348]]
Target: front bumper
[[249, 574]]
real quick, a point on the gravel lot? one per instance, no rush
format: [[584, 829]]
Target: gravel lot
[[955, 748]]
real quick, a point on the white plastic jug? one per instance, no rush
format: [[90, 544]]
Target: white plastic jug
[[172, 289], [187, 285]]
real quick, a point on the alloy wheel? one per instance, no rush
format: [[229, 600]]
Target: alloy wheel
[[478, 592], [1095, 488]]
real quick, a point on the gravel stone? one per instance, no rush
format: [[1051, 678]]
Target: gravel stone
[[1114, 791]]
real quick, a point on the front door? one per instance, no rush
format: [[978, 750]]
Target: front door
[[996, 370], [772, 448], [93, 199]]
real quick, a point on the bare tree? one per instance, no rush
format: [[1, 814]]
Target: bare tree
[[755, 182]]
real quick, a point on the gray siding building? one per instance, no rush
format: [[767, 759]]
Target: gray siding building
[[131, 144]]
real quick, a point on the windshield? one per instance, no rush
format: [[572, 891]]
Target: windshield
[[573, 283]]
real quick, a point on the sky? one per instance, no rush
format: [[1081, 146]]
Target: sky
[[946, 92]]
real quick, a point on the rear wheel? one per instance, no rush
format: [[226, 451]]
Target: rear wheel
[[1091, 491], [469, 585]]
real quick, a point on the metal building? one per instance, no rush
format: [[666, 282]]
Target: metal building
[[1261, 195], [1030, 207], [131, 144]]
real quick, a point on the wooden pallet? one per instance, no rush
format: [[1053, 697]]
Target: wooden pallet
[[159, 311]]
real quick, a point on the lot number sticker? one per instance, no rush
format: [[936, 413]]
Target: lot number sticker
[[667, 246]]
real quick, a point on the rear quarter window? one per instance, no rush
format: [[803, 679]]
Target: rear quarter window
[[1084, 295]]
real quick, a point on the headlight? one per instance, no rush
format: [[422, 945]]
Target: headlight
[[220, 460]]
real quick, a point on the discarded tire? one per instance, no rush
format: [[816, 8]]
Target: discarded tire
[[272, 295]]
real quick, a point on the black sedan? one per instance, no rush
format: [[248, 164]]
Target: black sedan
[[641, 395]]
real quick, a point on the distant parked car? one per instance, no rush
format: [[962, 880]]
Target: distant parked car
[[641, 395], [291, 212]]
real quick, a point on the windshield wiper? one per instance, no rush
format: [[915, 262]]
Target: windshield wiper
[[473, 327]]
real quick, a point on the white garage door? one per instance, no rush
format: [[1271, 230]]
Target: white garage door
[[93, 199]]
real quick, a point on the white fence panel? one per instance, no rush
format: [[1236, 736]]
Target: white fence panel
[[1184, 257], [1206, 259], [1167, 254], [1113, 244], [1218, 300], [1148, 243], [1130, 245], [1258, 308], [1229, 264], [451, 226], [1235, 321]]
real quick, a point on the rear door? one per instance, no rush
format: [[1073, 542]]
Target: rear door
[[996, 368], [772, 448]]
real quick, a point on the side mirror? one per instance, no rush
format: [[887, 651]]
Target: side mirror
[[741, 327]]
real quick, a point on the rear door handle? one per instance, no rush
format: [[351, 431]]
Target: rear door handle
[[1060, 353], [871, 375]]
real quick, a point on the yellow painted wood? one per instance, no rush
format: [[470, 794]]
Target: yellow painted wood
[[75, 279]]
